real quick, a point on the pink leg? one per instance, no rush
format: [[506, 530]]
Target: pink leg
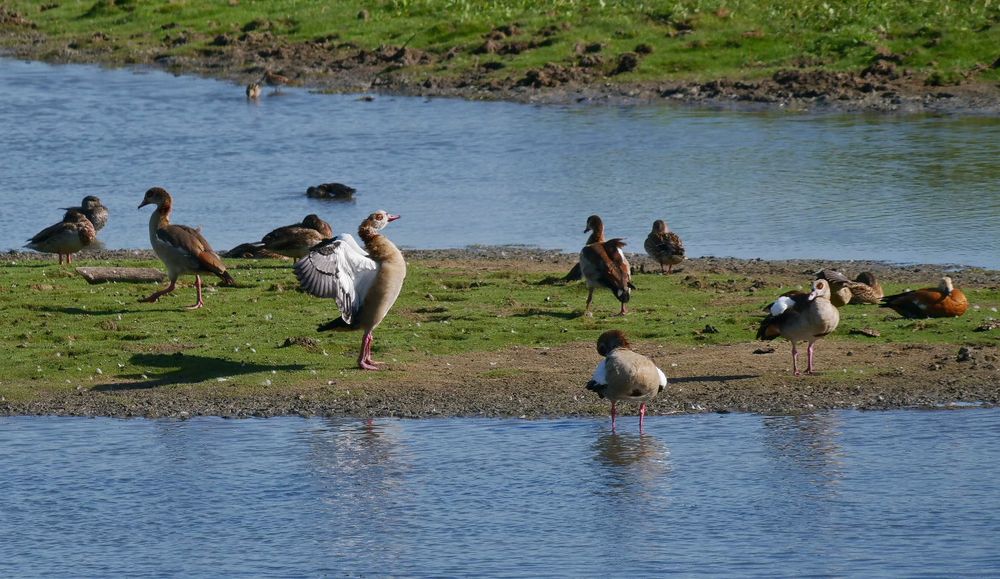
[[624, 310], [809, 369], [156, 295], [197, 285], [613, 415], [670, 268], [364, 360], [795, 360], [642, 415], [69, 258], [590, 298]]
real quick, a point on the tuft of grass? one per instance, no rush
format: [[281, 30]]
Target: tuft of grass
[[61, 334]]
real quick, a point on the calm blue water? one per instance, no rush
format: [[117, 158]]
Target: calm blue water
[[770, 185], [904, 493]]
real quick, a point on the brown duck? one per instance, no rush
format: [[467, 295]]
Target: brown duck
[[296, 240], [65, 238], [95, 211], [801, 317], [365, 284], [943, 301], [182, 249], [595, 226], [603, 264], [624, 374], [664, 246]]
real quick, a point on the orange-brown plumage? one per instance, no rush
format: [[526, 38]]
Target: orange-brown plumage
[[603, 264], [943, 301]]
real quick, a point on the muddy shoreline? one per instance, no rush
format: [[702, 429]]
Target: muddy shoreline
[[328, 65], [546, 382]]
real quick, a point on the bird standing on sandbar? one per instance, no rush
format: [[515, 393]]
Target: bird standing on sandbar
[[365, 284], [181, 248], [624, 374], [801, 317]]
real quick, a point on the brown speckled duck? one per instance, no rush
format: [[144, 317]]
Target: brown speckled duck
[[95, 211], [865, 289], [182, 249], [943, 301], [603, 264], [595, 226], [274, 80], [801, 317], [664, 246], [296, 240], [624, 374], [253, 91], [365, 284], [67, 237]]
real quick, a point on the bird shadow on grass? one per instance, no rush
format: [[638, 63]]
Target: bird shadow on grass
[[535, 312], [81, 311], [180, 368], [729, 378]]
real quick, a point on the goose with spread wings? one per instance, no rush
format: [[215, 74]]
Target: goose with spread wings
[[364, 282]]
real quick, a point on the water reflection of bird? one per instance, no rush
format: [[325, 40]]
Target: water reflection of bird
[[664, 246], [624, 374], [943, 301], [65, 238], [801, 317], [95, 211], [807, 442], [365, 284], [182, 249]]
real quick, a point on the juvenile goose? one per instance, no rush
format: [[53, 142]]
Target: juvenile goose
[[801, 317], [943, 301], [296, 240], [603, 264], [96, 212], [181, 248], [664, 246], [624, 374], [595, 226], [364, 284], [67, 237]]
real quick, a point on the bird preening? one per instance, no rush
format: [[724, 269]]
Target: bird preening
[[363, 282], [624, 374]]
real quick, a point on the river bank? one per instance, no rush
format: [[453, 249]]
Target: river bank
[[477, 332]]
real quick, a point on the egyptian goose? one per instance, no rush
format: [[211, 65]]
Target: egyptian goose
[[364, 283], [624, 374], [96, 212], [943, 301], [664, 246], [296, 240], [595, 226], [801, 317], [274, 80], [253, 91], [67, 237], [181, 248], [603, 264]]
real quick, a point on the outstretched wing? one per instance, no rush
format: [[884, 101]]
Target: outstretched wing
[[338, 268]]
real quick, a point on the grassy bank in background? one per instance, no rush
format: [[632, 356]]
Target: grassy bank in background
[[60, 334], [944, 42]]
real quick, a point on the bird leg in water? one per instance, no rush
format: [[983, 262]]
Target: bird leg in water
[[613, 415], [642, 415], [197, 285], [795, 360], [365, 361], [156, 295]]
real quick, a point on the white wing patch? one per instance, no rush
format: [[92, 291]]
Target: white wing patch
[[338, 269], [663, 377], [780, 305], [601, 372]]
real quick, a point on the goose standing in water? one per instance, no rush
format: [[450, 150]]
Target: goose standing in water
[[603, 264], [67, 237], [664, 246], [801, 317], [943, 301], [296, 240], [182, 249], [95, 211], [365, 284], [595, 226], [624, 374]]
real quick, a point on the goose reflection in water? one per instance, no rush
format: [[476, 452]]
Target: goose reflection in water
[[632, 463], [807, 444]]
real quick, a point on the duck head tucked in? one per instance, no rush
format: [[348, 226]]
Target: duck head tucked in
[[943, 301], [624, 374]]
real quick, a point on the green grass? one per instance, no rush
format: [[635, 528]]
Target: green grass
[[689, 39], [59, 333]]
